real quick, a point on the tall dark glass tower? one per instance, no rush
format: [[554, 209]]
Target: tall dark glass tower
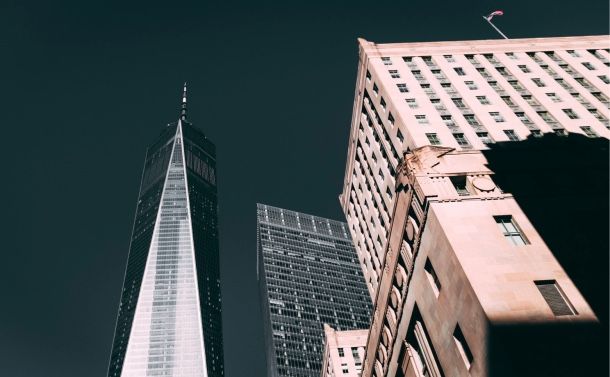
[[169, 321], [308, 274]]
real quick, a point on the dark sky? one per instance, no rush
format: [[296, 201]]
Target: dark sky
[[87, 85]]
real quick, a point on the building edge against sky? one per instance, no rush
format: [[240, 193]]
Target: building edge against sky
[[169, 319], [308, 275], [444, 250]]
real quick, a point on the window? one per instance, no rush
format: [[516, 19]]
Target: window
[[536, 133], [375, 89], [382, 103], [588, 66], [412, 103], [588, 131], [496, 116], [388, 192], [462, 346], [394, 73], [386, 61], [459, 71], [421, 119], [484, 137], [471, 85], [508, 100], [511, 230], [597, 114], [600, 96], [530, 100], [483, 100], [604, 78], [560, 132], [458, 102], [461, 140], [368, 75], [432, 277], [407, 59], [402, 88], [448, 120], [417, 74], [546, 116], [554, 97], [400, 136], [502, 71], [539, 83], [570, 113], [512, 136], [494, 84], [522, 117], [524, 68], [341, 352], [573, 53], [449, 58], [554, 297], [471, 119], [515, 84], [459, 182], [391, 119], [433, 139], [511, 56], [344, 368]]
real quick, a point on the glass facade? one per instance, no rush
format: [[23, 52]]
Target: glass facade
[[169, 321], [308, 274]]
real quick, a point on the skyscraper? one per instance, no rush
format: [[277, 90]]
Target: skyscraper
[[308, 275], [169, 320], [463, 281]]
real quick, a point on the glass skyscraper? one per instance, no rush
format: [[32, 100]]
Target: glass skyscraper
[[308, 274], [169, 320]]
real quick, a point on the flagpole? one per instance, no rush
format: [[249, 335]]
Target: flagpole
[[494, 26]]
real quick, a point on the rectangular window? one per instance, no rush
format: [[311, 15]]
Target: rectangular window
[[522, 117], [554, 97], [511, 56], [536, 133], [417, 74], [570, 113], [459, 71], [511, 230], [588, 131], [394, 73], [554, 297], [402, 88], [573, 53], [515, 84], [432, 277], [459, 182], [604, 78], [421, 119], [462, 346], [458, 102], [484, 137], [375, 89], [508, 100], [530, 100], [368, 75], [449, 58], [448, 120], [560, 132], [391, 119], [433, 139], [341, 352], [496, 116], [461, 140], [483, 100], [600, 96], [412, 103], [512, 136], [386, 61], [539, 83], [546, 116], [471, 85], [382, 103], [407, 59], [400, 136], [471, 119], [588, 66], [524, 69]]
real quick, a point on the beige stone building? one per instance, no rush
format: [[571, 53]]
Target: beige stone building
[[343, 352], [462, 282]]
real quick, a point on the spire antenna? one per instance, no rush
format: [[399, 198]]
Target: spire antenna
[[183, 108]]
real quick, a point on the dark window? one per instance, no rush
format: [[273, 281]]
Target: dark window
[[462, 346], [554, 297], [436, 284]]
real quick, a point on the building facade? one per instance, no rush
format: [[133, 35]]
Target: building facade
[[343, 352], [169, 320], [451, 261], [308, 275]]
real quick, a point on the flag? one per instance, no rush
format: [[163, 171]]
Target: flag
[[494, 13]]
